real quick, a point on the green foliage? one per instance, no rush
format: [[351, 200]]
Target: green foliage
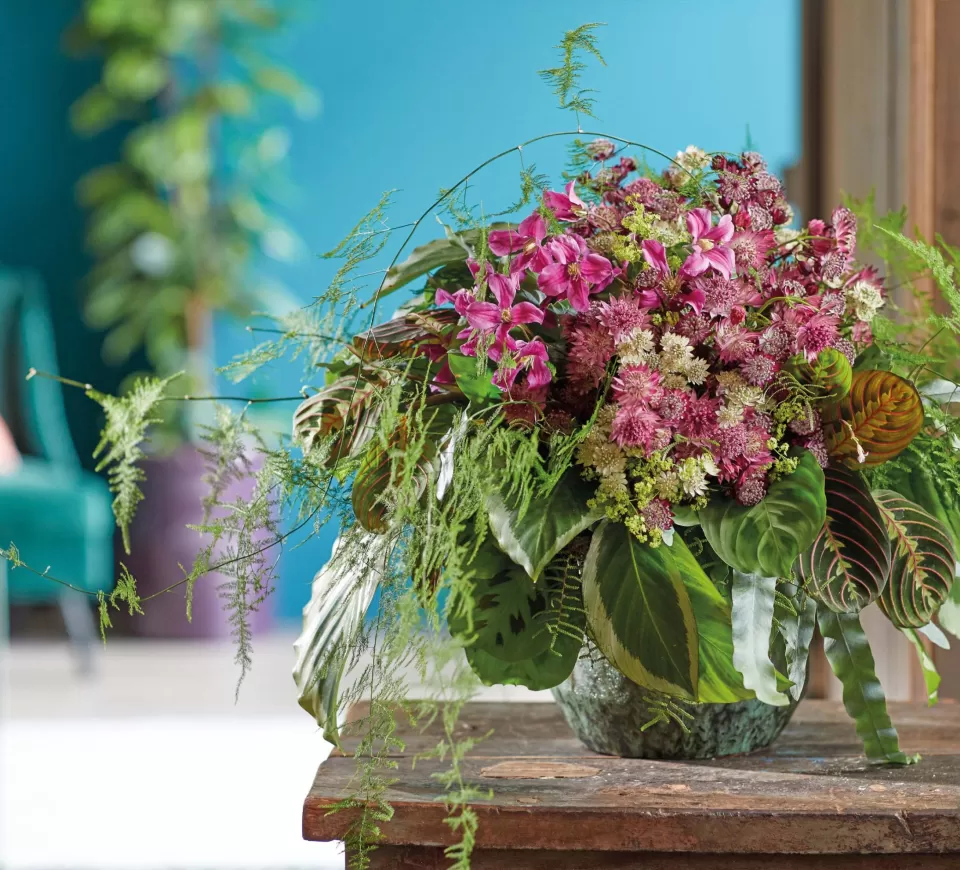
[[119, 450], [639, 611], [796, 625], [564, 80], [753, 604], [848, 652], [924, 561], [848, 565], [767, 538], [931, 677], [124, 591], [533, 530]]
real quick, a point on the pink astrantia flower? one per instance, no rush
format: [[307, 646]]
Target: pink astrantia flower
[[565, 206], [576, 273], [526, 241], [498, 318], [710, 244], [637, 386]]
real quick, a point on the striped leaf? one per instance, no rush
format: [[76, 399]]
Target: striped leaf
[[848, 564], [349, 406], [639, 611], [923, 561], [408, 454], [404, 335], [831, 371], [875, 421], [848, 652], [753, 599], [766, 538]]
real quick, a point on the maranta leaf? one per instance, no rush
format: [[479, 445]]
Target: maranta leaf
[[876, 420], [923, 562], [849, 562]]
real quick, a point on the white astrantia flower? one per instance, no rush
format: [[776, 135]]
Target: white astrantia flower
[[697, 370], [675, 352], [693, 476], [864, 300], [729, 416], [693, 158], [637, 349], [786, 237]]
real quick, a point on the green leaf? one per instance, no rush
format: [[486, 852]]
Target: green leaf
[[475, 381], [553, 612], [848, 565], [923, 561], [720, 682], [797, 629], [848, 652], [753, 599], [931, 676], [457, 247], [767, 537], [551, 521], [873, 359], [342, 591], [639, 611]]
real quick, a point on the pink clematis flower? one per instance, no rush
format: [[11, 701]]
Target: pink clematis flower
[[710, 244], [655, 255], [498, 318], [526, 240], [461, 299], [576, 272], [530, 356], [565, 206]]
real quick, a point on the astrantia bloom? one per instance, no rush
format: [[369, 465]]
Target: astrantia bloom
[[710, 244], [637, 386]]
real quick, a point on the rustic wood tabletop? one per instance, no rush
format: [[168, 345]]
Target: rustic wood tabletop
[[811, 800]]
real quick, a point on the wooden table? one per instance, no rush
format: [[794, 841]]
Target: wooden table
[[812, 801]]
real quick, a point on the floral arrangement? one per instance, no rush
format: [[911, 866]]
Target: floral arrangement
[[653, 420], [650, 418]]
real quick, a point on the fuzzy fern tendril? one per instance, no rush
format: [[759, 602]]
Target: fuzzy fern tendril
[[564, 80], [127, 420]]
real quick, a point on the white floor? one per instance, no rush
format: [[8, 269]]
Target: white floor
[[152, 766]]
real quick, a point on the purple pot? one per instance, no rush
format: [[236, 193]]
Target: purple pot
[[161, 542]]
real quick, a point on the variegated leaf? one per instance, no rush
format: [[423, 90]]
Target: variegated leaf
[[923, 561], [849, 563], [876, 420]]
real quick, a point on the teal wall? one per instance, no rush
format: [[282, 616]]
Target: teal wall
[[41, 227], [415, 94]]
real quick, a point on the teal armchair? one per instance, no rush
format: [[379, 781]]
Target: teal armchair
[[56, 513]]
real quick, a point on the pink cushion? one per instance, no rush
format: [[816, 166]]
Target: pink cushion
[[9, 455]]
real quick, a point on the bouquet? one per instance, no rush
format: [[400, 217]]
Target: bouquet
[[650, 419]]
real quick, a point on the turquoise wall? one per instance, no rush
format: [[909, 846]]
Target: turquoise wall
[[41, 227], [416, 94]]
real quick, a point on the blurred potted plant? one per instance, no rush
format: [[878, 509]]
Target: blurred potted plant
[[176, 226]]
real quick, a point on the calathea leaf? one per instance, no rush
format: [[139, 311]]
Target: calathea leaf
[[923, 562], [342, 591], [875, 421], [848, 652], [931, 677], [849, 563], [766, 538], [796, 628], [830, 371], [639, 611], [456, 247], [753, 601], [411, 449], [554, 619], [551, 521], [406, 334]]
